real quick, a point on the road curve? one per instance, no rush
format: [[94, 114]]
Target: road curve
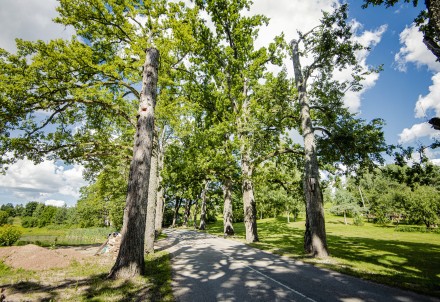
[[207, 268]]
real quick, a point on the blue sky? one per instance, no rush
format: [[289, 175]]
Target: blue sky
[[410, 75]]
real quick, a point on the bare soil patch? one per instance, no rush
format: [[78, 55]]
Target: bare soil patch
[[36, 258]]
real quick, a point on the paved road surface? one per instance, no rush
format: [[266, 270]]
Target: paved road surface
[[208, 268]]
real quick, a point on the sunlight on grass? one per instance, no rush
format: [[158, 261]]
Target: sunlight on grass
[[377, 253]]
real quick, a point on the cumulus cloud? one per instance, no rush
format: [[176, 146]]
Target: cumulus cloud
[[40, 182], [29, 20], [414, 51], [367, 38], [431, 100], [417, 131]]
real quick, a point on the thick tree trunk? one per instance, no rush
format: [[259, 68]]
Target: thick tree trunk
[[228, 229], [315, 241], [130, 259], [176, 211], [152, 196], [160, 199], [202, 225], [249, 206]]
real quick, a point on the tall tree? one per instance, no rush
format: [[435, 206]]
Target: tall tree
[[320, 102], [79, 98], [234, 68]]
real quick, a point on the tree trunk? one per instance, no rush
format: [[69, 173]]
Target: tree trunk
[[130, 259], [249, 206], [176, 211], [202, 225], [315, 241], [288, 217], [152, 196], [345, 218], [160, 200], [196, 209], [228, 229], [187, 213]]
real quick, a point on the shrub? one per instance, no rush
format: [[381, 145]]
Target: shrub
[[3, 217], [9, 235], [358, 220], [29, 222]]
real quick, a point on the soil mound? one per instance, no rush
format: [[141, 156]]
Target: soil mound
[[33, 257]]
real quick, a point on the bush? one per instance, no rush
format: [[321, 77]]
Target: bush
[[29, 222], [9, 235], [3, 217], [358, 220]]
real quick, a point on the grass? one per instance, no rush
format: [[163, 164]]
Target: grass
[[88, 282], [377, 253], [50, 236]]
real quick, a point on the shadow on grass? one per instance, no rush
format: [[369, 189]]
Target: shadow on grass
[[409, 265], [154, 286]]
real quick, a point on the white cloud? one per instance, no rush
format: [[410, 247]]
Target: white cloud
[[39, 182], [369, 39], [55, 203], [29, 20], [414, 51], [417, 131], [431, 100]]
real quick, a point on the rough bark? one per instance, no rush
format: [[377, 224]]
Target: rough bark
[[315, 241], [152, 196], [249, 205], [130, 259], [202, 225], [160, 199], [228, 228]]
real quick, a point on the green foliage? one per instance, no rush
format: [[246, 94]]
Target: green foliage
[[9, 208], [29, 222], [3, 217], [424, 206], [9, 234]]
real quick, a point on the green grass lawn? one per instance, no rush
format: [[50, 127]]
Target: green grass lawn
[[373, 252]]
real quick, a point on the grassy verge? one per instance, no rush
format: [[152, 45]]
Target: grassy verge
[[50, 236], [378, 253], [87, 282]]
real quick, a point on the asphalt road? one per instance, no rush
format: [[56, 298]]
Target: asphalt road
[[208, 268]]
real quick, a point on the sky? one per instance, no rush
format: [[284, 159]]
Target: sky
[[405, 94]]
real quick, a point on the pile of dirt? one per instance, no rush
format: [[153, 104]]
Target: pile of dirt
[[33, 257]]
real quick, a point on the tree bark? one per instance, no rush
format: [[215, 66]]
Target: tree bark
[[315, 241], [187, 213], [160, 200], [228, 228], [249, 205], [196, 209], [176, 211], [152, 196], [130, 259], [202, 225]]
